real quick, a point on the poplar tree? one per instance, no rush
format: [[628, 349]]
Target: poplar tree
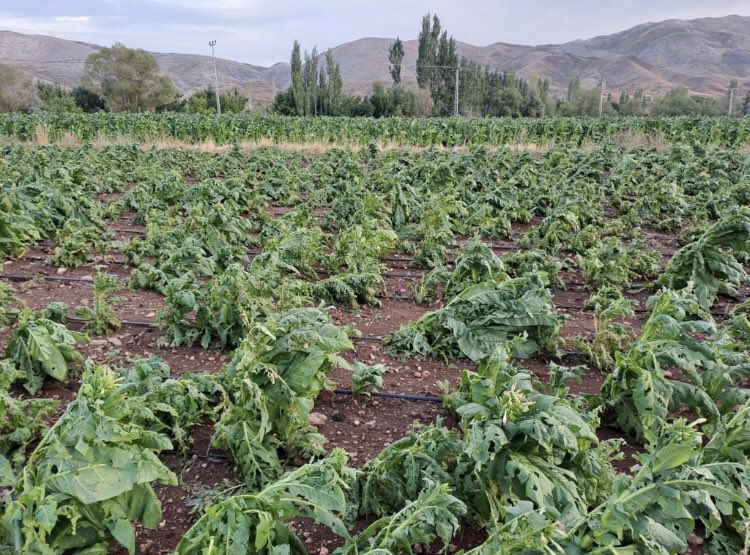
[[396, 56], [297, 91], [335, 84], [310, 82]]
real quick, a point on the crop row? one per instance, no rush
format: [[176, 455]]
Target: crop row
[[523, 461]]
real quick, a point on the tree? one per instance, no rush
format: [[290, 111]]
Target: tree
[[313, 91], [296, 68], [436, 60], [56, 99], [335, 84], [88, 101], [444, 75], [635, 106], [396, 56], [284, 103], [574, 89], [394, 101], [310, 82], [128, 79], [204, 101], [17, 92], [678, 102], [427, 51]]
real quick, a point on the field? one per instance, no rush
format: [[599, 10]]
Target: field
[[290, 336]]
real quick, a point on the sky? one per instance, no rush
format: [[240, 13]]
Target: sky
[[261, 32]]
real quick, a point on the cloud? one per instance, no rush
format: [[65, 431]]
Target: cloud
[[243, 10], [48, 25], [262, 31]]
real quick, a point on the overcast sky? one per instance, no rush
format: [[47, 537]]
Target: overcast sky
[[262, 31]]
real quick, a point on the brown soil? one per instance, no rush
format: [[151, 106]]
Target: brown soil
[[362, 426]]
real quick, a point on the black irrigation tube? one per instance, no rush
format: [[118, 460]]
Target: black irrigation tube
[[13, 277], [404, 275], [131, 231], [215, 456], [132, 323], [154, 325], [401, 396]]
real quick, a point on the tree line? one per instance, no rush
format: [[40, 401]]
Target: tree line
[[115, 79], [482, 91], [122, 79]]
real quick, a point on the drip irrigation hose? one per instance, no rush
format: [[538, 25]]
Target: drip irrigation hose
[[123, 322], [13, 277], [402, 396]]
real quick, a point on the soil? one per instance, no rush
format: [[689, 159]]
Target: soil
[[362, 426]]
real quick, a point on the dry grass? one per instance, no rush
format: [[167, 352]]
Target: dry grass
[[636, 139], [42, 135], [628, 140]]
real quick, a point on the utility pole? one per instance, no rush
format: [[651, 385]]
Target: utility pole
[[212, 44], [455, 98], [601, 99], [457, 69], [730, 107]]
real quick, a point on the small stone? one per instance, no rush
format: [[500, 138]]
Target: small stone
[[150, 315], [417, 374], [62, 270], [426, 374], [316, 418], [370, 424], [452, 548], [114, 341], [97, 342], [417, 549], [323, 551], [356, 422], [695, 540]]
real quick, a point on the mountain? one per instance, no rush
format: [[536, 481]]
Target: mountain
[[702, 54]]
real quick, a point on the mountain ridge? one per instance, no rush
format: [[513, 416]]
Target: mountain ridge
[[704, 54]]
